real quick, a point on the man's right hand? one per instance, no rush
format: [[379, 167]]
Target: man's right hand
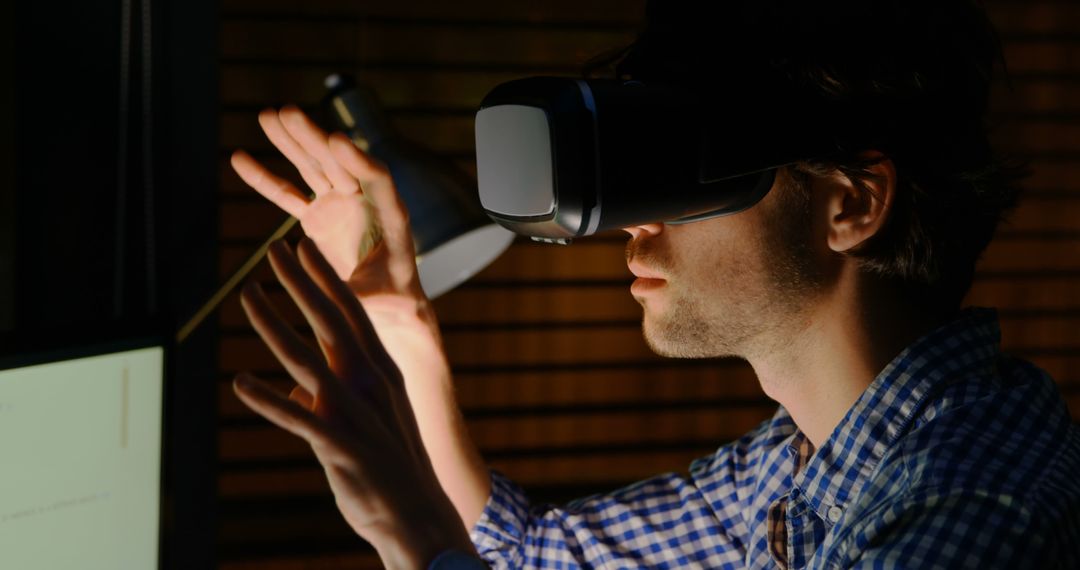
[[361, 227]]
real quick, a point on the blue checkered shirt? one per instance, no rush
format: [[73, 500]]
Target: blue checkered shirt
[[956, 456]]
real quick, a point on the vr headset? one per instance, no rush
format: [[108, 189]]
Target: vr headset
[[561, 158]]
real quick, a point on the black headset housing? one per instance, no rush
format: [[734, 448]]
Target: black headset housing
[[560, 158]]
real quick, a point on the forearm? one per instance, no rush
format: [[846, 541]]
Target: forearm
[[457, 462], [428, 381]]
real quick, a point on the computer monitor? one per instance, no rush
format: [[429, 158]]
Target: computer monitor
[[80, 458]]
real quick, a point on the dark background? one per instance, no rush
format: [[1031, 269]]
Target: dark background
[[7, 166], [559, 389]]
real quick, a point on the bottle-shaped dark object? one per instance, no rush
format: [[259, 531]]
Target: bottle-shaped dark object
[[454, 238]]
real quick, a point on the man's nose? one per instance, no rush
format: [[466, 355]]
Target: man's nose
[[647, 230]]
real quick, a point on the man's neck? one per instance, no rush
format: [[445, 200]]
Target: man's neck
[[832, 353]]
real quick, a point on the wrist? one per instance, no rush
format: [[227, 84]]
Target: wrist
[[419, 540]]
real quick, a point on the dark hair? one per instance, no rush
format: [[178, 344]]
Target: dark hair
[[909, 78]]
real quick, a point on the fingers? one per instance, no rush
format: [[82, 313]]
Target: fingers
[[297, 357], [284, 413], [320, 312], [314, 141], [308, 166], [376, 182], [323, 274], [276, 189], [302, 397]]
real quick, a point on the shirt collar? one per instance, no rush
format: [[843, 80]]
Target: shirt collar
[[885, 411]]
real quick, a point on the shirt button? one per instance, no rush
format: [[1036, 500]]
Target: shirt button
[[835, 513]]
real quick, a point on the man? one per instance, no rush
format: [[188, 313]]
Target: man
[[904, 438]]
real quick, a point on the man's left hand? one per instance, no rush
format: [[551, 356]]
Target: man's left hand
[[350, 405]]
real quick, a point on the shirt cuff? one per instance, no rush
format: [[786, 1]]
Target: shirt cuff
[[499, 533]]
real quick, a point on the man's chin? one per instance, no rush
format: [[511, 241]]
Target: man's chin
[[682, 337], [658, 338]]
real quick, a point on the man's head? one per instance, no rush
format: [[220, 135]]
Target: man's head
[[900, 90]]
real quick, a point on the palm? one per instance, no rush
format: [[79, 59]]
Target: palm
[[338, 223]]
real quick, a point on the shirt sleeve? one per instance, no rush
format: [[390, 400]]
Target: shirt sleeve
[[957, 530], [660, 522]]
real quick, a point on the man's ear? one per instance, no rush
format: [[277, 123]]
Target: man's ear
[[858, 210]]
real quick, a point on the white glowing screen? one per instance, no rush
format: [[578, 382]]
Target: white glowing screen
[[80, 457]]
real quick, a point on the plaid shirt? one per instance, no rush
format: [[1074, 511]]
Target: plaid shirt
[[956, 456]]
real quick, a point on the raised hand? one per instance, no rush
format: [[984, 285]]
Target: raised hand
[[351, 407], [354, 205]]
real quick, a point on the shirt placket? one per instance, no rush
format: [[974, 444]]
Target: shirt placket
[[788, 516]]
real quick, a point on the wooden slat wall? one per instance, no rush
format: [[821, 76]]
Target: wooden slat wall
[[558, 386]]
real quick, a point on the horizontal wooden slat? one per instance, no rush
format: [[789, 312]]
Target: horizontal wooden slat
[[1054, 175], [292, 522], [439, 134], [1021, 294], [1063, 367], [1045, 214], [1035, 137], [1053, 332], [1034, 17], [1036, 96], [1043, 56], [396, 87], [1048, 174], [594, 12], [1011, 18], [1031, 255], [386, 43]]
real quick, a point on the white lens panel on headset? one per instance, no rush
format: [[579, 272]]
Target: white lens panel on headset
[[514, 163]]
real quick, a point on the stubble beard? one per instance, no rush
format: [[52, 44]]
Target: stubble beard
[[749, 307], [729, 317]]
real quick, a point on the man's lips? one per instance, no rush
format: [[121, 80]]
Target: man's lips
[[647, 280], [643, 272]]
